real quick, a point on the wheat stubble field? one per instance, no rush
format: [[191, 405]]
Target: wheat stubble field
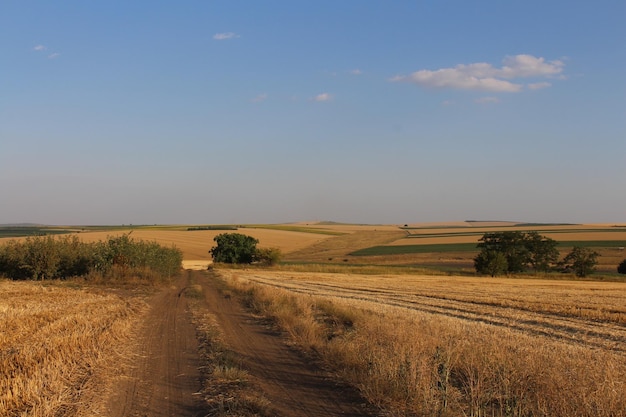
[[60, 347], [433, 345], [413, 343]]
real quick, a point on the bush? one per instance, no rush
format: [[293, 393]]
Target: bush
[[491, 262], [46, 257], [621, 269], [268, 256]]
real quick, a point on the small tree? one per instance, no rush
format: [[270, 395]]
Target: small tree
[[491, 262], [581, 260], [621, 269], [234, 248]]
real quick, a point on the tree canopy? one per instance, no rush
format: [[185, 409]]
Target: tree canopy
[[515, 251], [234, 248], [581, 260]]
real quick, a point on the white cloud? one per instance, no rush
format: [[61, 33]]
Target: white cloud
[[39, 48], [54, 55], [483, 76], [539, 86], [323, 97], [487, 100], [225, 36], [259, 98], [519, 66]]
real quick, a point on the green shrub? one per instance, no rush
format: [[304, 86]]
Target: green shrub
[[46, 257]]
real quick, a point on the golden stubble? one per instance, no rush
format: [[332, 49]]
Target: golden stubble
[[448, 346], [57, 344]]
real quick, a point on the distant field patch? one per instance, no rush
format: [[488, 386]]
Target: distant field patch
[[404, 249], [469, 247], [301, 229]]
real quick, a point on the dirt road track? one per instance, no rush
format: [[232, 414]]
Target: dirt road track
[[294, 386], [166, 380]]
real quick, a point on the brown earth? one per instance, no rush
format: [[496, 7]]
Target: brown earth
[[166, 380]]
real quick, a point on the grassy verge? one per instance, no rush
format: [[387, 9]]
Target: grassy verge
[[414, 363]]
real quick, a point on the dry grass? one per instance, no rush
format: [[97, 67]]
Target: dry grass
[[57, 345], [436, 346]]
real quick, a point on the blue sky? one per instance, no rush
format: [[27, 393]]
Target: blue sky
[[276, 111]]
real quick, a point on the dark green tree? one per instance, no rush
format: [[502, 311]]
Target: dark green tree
[[521, 250], [621, 269], [491, 262], [512, 245], [542, 251], [581, 260], [234, 248]]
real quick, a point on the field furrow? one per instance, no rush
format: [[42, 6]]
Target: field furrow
[[592, 324]]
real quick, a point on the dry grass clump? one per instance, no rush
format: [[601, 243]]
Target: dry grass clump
[[55, 346], [411, 362]]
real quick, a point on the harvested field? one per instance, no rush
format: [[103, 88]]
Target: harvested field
[[423, 345], [591, 314], [59, 347]]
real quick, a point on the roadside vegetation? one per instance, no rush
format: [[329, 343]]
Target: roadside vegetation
[[452, 351], [117, 258]]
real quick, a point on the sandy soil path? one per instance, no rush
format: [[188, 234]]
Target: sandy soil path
[[166, 380], [294, 386]]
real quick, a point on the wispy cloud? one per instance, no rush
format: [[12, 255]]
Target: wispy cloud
[[225, 36], [323, 97], [259, 98], [39, 48], [54, 55], [539, 86], [487, 100], [356, 72], [483, 76]]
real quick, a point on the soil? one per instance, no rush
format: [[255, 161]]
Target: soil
[[166, 380]]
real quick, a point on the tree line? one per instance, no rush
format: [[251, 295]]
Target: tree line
[[515, 252]]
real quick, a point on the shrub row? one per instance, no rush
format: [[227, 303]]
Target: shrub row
[[47, 257]]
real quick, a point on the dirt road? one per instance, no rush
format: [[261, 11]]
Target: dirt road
[[166, 380]]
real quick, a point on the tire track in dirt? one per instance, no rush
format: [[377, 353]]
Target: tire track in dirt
[[294, 386], [165, 379]]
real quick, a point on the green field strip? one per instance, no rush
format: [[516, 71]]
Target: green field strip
[[6, 232], [471, 247]]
